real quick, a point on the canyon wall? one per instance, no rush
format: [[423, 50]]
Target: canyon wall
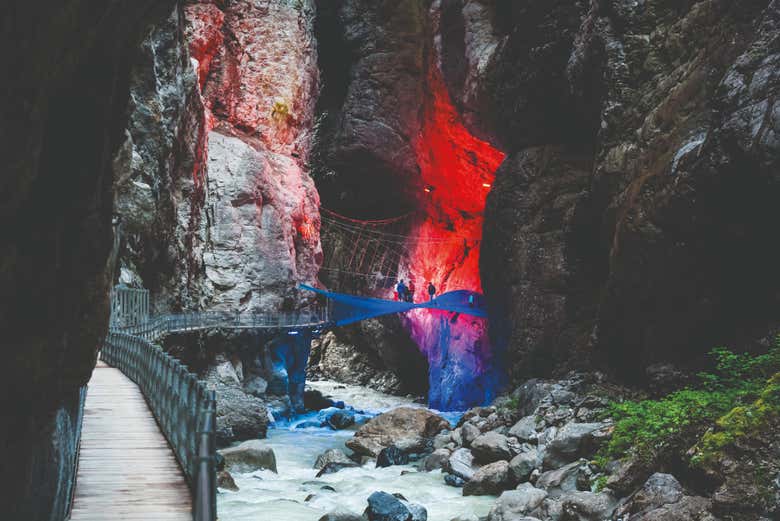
[[63, 114], [391, 143], [217, 209], [631, 224]]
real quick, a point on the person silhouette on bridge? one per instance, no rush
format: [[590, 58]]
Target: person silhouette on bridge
[[401, 290], [431, 290], [410, 293]]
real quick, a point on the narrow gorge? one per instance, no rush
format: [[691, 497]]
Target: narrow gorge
[[446, 260]]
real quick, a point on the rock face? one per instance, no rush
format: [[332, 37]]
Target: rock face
[[64, 114], [584, 244], [223, 180], [376, 353], [408, 429]]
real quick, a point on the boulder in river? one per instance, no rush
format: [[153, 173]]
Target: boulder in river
[[490, 447], [461, 463], [334, 466], [409, 429], [436, 460], [249, 456], [454, 481], [522, 465], [331, 456], [387, 507], [341, 516], [390, 456], [336, 418], [225, 480], [490, 479]]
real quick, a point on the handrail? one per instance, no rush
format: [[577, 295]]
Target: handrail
[[185, 411]]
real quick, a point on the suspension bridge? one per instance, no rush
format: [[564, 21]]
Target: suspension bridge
[[147, 440]]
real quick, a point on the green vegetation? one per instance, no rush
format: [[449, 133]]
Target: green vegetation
[[281, 111], [728, 403]]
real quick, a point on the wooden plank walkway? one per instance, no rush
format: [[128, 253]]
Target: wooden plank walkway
[[127, 470]]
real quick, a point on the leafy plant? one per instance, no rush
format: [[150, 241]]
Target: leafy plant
[[647, 428], [281, 111]]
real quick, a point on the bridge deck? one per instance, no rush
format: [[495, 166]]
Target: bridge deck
[[127, 470]]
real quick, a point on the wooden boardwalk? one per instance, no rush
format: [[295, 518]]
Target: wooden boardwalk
[[127, 470]]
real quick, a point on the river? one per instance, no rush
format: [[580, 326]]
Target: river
[[282, 497]]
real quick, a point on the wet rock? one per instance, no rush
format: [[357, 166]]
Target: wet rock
[[314, 400], [240, 416], [387, 507], [490, 447], [249, 456], [525, 429], [341, 516], [438, 459], [663, 498], [587, 506], [468, 433], [562, 480], [628, 475], [225, 480], [407, 428], [334, 466], [522, 465], [336, 418], [461, 463], [488, 480], [391, 455], [516, 505], [454, 481], [331, 456], [570, 442], [255, 385], [441, 440]]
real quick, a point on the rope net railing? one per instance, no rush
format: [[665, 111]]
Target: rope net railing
[[363, 256]]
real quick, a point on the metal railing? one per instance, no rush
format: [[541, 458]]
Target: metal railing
[[183, 407], [155, 327]]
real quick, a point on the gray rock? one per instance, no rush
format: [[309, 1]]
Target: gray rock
[[658, 490], [490, 447], [335, 466], [461, 463], [255, 385], [442, 440], [390, 456], [570, 442], [249, 456], [559, 481], [454, 481], [587, 506], [438, 459], [525, 429], [488, 480], [662, 498], [341, 516], [468, 433], [628, 475], [409, 429], [515, 505], [240, 416], [331, 456], [387, 507], [522, 465], [225, 481]]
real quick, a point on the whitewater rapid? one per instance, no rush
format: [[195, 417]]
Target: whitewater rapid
[[283, 496]]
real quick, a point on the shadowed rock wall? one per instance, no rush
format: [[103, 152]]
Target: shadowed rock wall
[[636, 231], [63, 117]]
